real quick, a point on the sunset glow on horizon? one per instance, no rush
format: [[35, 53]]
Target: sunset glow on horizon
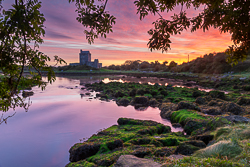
[[64, 36]]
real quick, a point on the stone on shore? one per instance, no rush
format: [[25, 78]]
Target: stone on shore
[[133, 161]]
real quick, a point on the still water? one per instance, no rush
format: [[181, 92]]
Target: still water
[[59, 117]]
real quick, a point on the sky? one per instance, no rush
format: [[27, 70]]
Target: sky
[[64, 36]]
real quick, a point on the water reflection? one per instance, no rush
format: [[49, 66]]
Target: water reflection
[[61, 115]]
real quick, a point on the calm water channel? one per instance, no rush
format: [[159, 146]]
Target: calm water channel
[[61, 116]]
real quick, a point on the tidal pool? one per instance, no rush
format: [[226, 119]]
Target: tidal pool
[[59, 117]]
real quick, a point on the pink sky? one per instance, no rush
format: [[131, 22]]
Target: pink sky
[[64, 36]]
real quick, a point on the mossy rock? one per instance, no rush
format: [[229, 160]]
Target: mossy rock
[[186, 149], [217, 94], [81, 151], [232, 108], [123, 102], [130, 121]]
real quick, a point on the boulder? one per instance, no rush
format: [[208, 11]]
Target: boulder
[[197, 143], [200, 100], [81, 151], [123, 102], [187, 105], [27, 93], [193, 125], [196, 94], [153, 103], [167, 109], [164, 152], [133, 161], [119, 94], [237, 119], [115, 144], [205, 138], [141, 100], [186, 149], [217, 94], [211, 110], [232, 108], [176, 125], [243, 100], [141, 152]]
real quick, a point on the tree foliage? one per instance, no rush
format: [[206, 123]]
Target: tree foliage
[[227, 15], [21, 32]]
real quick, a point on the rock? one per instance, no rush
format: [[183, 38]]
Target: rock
[[119, 94], [243, 100], [132, 92], [237, 119], [193, 125], [141, 100], [187, 105], [196, 94], [200, 100], [197, 143], [211, 110], [232, 108], [141, 152], [167, 109], [242, 78], [186, 149], [133, 161], [217, 94], [140, 92], [81, 151], [123, 102], [130, 121], [176, 125], [27, 93], [212, 103], [205, 138], [115, 144], [153, 103], [164, 152]]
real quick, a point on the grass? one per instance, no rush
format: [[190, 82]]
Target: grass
[[224, 148]]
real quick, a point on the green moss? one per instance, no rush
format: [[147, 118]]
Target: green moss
[[182, 116]]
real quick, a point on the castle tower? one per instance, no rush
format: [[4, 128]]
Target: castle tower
[[85, 57]]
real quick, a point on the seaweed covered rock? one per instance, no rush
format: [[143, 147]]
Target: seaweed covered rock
[[81, 151], [123, 102], [237, 119], [193, 125], [164, 152], [205, 138], [130, 121], [243, 100], [141, 100], [167, 110], [211, 110], [187, 105], [232, 108], [217, 94], [153, 103], [186, 149], [200, 100]]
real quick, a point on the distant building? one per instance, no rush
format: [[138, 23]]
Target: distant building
[[85, 59]]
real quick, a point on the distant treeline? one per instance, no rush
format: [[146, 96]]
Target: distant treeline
[[143, 66], [213, 63]]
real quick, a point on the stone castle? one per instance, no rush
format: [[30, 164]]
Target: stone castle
[[85, 59]]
